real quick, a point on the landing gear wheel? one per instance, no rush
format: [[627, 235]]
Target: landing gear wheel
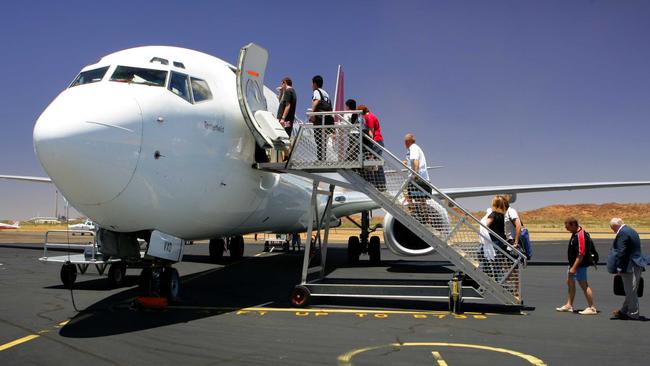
[[170, 284], [374, 250], [300, 296], [217, 246], [236, 247], [145, 282], [116, 275], [68, 275], [354, 249]]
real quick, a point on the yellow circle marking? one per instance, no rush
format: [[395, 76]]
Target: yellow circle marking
[[346, 358]]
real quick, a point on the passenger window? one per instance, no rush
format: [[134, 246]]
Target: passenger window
[[137, 75], [90, 76], [179, 85], [200, 90]]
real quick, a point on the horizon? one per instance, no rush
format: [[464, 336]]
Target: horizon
[[500, 93]]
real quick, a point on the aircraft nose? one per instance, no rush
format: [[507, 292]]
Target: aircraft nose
[[88, 141]]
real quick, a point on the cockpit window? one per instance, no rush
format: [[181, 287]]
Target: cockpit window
[[200, 90], [137, 75], [90, 76], [179, 85]]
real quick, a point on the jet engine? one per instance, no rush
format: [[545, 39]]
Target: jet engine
[[402, 241]]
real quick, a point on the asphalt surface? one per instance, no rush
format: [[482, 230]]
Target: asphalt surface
[[239, 314]]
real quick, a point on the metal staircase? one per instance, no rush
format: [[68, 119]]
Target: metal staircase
[[437, 219]]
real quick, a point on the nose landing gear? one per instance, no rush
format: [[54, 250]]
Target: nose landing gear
[[158, 286]]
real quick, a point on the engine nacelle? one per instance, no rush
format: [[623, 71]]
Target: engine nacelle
[[402, 241]]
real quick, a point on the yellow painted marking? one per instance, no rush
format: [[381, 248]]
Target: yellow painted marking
[[64, 322], [358, 312], [321, 314], [18, 341], [381, 316], [302, 313], [346, 358], [349, 311], [438, 358]]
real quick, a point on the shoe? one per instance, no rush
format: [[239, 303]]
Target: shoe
[[565, 309], [617, 314], [589, 311]]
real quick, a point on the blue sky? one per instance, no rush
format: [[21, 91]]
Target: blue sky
[[500, 92]]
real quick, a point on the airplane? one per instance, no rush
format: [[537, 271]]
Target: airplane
[[169, 138], [15, 225]]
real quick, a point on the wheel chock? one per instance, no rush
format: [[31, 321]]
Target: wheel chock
[[148, 302]]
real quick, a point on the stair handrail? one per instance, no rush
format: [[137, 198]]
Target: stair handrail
[[413, 173]]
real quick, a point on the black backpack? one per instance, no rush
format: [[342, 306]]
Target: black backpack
[[324, 105], [592, 253]]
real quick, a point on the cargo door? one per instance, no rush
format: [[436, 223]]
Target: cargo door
[[264, 126]]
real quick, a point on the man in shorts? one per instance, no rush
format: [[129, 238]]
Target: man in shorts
[[287, 109], [578, 253]]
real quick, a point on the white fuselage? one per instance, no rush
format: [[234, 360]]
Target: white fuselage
[[152, 160]]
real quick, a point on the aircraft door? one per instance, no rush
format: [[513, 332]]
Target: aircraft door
[[264, 126]]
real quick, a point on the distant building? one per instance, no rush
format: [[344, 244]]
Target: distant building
[[44, 220]]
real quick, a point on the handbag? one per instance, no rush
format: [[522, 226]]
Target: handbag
[[619, 290]]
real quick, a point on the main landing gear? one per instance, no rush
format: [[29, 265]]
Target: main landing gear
[[360, 244], [235, 246]]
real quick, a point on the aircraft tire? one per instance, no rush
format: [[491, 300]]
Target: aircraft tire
[[68, 275], [171, 284], [374, 250], [354, 249], [116, 275], [217, 246], [237, 247]]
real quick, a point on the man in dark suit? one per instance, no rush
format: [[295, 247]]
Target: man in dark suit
[[629, 262]]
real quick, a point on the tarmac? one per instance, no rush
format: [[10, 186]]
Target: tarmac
[[238, 313]]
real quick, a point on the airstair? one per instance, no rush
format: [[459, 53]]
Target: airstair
[[362, 165], [438, 220]]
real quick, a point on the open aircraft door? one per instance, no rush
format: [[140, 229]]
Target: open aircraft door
[[264, 126]]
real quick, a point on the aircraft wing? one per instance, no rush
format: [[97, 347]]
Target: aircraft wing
[[487, 191], [347, 202], [26, 178]]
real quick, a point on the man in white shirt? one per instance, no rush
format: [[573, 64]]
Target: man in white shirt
[[415, 156], [416, 198], [320, 103]]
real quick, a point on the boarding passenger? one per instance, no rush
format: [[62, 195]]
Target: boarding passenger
[[372, 126], [512, 224], [353, 149], [627, 261], [496, 221], [351, 105], [487, 254], [287, 109], [415, 195], [579, 256], [373, 130], [320, 103]]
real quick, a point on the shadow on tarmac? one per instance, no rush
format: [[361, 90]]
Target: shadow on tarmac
[[247, 283]]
